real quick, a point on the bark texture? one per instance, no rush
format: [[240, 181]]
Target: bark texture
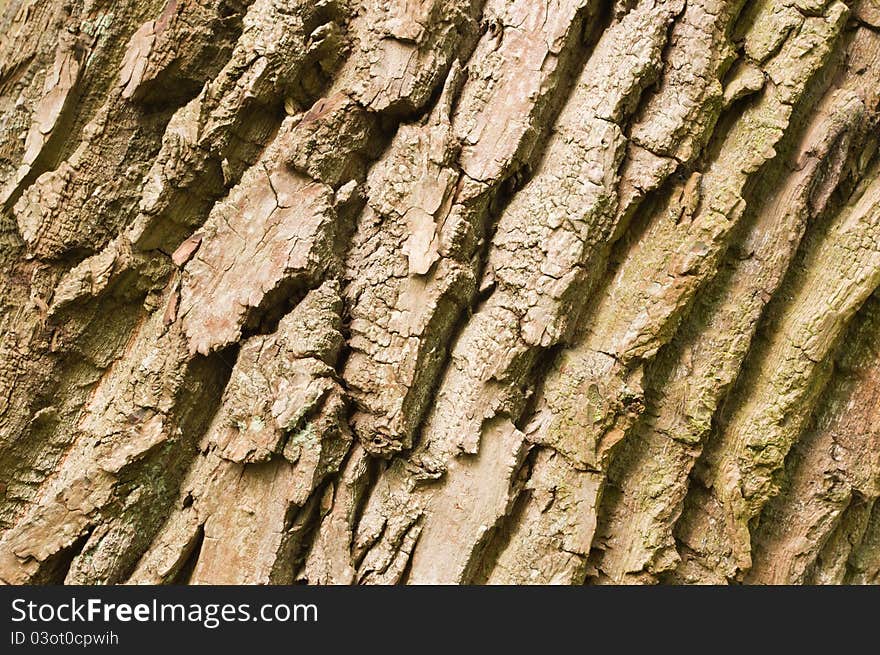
[[439, 291]]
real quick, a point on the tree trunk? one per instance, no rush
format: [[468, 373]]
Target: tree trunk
[[448, 291]]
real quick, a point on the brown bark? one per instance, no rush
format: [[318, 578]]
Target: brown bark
[[451, 291]]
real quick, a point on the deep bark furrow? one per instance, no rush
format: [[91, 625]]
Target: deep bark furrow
[[594, 392], [416, 258], [863, 566], [99, 182], [452, 291], [534, 268], [835, 465], [692, 376], [743, 459]]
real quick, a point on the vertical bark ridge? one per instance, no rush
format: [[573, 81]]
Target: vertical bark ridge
[[469, 291], [99, 182], [417, 255], [685, 235], [533, 270], [742, 462], [692, 376], [834, 466], [863, 566]]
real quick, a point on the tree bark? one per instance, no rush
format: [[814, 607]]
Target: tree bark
[[449, 291]]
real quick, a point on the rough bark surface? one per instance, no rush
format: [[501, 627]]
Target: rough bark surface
[[439, 291]]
